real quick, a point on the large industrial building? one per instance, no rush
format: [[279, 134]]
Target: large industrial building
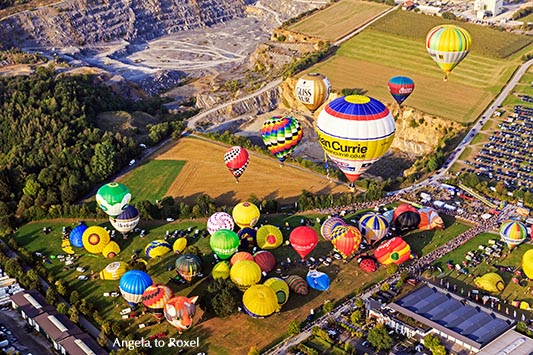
[[488, 8]]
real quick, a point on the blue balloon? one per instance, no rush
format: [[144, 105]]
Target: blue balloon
[[76, 234], [318, 280], [132, 285], [247, 237], [128, 213]]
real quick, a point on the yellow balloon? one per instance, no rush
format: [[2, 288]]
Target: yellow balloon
[[527, 263], [179, 245], [113, 271], [312, 90], [245, 214], [448, 45], [280, 287], [269, 237], [111, 250], [260, 301], [221, 270], [95, 239], [245, 273], [491, 282]]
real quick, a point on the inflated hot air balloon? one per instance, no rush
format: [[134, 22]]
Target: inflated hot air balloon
[[367, 264], [158, 247], [266, 260], [400, 87], [245, 274], [281, 134], [405, 218], [126, 221], [76, 235], [513, 233], [179, 245], [430, 219], [219, 220], [245, 214], [312, 90], [281, 289], [114, 270], [155, 297], [373, 226], [389, 215], [132, 285], [355, 131], [236, 159], [224, 243], [179, 311], [260, 301], [239, 256], [303, 240], [527, 263], [247, 236], [221, 270], [111, 250], [95, 239], [347, 241], [297, 285], [394, 250], [113, 198], [448, 45], [329, 224], [188, 266], [269, 237], [491, 282]]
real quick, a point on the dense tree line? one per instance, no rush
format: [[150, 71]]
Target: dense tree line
[[522, 13]]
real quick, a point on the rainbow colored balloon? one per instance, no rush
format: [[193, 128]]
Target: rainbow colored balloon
[[400, 87], [513, 233], [448, 45], [281, 135]]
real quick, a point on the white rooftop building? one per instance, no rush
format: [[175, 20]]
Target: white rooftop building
[[488, 7]]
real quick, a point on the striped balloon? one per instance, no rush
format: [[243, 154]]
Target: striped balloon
[[513, 233], [448, 45], [400, 87], [155, 297], [132, 285], [297, 285], [236, 159], [157, 248], [373, 226], [329, 224], [348, 241], [219, 220], [281, 134], [188, 266]]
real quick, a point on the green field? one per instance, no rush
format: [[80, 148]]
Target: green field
[[151, 180]]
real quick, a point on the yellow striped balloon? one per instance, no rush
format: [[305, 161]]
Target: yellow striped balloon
[[448, 45]]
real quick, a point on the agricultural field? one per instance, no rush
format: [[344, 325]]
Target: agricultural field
[[524, 87], [339, 19]]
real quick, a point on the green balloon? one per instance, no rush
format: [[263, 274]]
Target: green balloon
[[224, 243], [113, 198]]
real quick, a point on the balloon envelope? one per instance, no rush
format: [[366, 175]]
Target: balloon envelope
[[448, 45], [491, 282], [527, 263], [179, 311], [245, 214], [318, 280], [373, 226], [132, 285], [76, 235], [394, 250], [348, 241], [126, 221], [303, 240], [239, 256], [312, 90], [513, 233], [113, 271], [297, 285], [188, 266], [367, 264], [219, 220], [430, 219], [281, 289], [247, 236], [245, 273], [269, 237], [113, 198], [406, 218], [221, 270], [155, 297], [111, 250], [400, 87], [236, 159], [158, 247], [224, 243], [260, 301], [281, 135], [179, 245], [266, 260], [95, 238], [329, 224]]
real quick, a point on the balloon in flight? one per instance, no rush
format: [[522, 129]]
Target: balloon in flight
[[400, 87], [281, 135], [113, 198], [236, 159], [312, 90]]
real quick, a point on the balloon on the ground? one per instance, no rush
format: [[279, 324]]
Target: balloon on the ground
[[95, 238], [367, 264], [513, 233], [281, 289], [66, 247], [400, 87], [111, 250], [224, 243], [393, 251], [281, 135], [179, 245], [405, 218], [448, 45], [158, 247], [430, 219], [491, 282], [312, 90], [245, 274], [126, 221], [355, 131], [132, 285], [373, 226], [527, 263], [389, 215], [221, 270], [245, 214], [318, 280], [347, 240], [266, 260], [269, 237], [297, 285], [188, 266], [303, 240], [247, 236], [236, 159], [113, 198], [179, 311], [329, 224], [76, 235], [239, 256], [219, 220], [260, 301], [155, 297], [114, 270]]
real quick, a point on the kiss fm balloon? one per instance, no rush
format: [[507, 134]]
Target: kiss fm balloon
[[260, 301], [400, 87], [224, 243], [527, 263], [113, 198], [245, 273], [95, 239], [281, 135], [76, 235], [513, 233], [113, 271], [236, 160], [269, 237], [393, 251], [132, 285], [303, 240], [126, 221], [179, 311], [219, 220], [312, 90], [155, 297], [448, 45], [245, 214], [355, 131], [347, 241], [373, 226], [188, 266], [329, 225]]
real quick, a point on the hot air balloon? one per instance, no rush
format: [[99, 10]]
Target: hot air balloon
[[318, 280], [355, 131], [430, 219], [260, 301], [76, 234], [312, 90], [245, 214], [373, 226], [389, 215], [329, 224], [367, 264], [491, 282], [394, 250], [132, 285], [245, 274], [156, 248], [113, 198], [111, 250], [297, 285], [236, 159], [347, 241], [266, 260], [224, 243], [114, 270], [179, 311], [448, 45], [188, 266], [527, 263], [405, 218], [219, 220], [400, 87], [179, 245], [269, 237], [281, 289], [66, 247], [126, 221], [247, 236], [513, 233], [303, 240], [239, 256], [155, 297], [95, 239], [221, 270], [281, 134]]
